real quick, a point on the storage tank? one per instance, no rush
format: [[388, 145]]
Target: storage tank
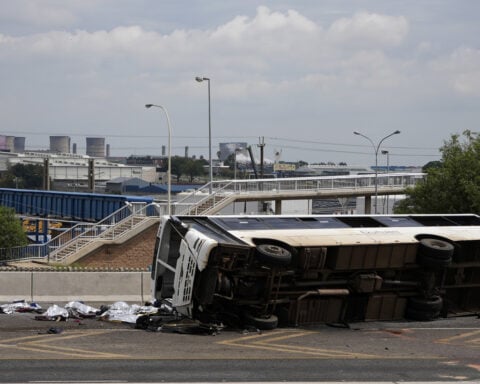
[[60, 144], [10, 143], [19, 144], [3, 143], [96, 146]]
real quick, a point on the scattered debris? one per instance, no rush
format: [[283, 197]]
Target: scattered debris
[[159, 316]]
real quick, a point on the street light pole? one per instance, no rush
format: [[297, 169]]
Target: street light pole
[[375, 149], [388, 170], [210, 168], [169, 167]]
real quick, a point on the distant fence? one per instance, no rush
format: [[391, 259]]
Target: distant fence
[[67, 205]]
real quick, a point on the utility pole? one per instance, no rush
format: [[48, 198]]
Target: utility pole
[[46, 175], [261, 144], [91, 175]]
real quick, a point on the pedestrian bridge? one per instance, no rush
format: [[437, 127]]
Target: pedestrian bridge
[[202, 202]]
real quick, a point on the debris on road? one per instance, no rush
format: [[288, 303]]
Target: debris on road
[[159, 316]]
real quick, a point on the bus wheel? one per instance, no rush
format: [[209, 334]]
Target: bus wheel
[[437, 248], [423, 309], [264, 323], [432, 304], [432, 261], [434, 253], [275, 254]]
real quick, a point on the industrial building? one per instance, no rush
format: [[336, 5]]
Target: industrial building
[[70, 171]]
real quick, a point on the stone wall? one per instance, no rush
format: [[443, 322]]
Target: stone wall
[[135, 253]]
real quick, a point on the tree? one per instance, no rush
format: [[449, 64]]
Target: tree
[[11, 231], [453, 185], [29, 176], [187, 166], [193, 168]]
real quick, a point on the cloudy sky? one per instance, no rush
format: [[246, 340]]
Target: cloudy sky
[[303, 74]]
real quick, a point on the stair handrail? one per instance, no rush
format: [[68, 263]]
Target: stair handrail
[[41, 251], [182, 207], [105, 229]]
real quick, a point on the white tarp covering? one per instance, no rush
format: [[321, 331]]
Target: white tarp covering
[[55, 311], [125, 313], [19, 306]]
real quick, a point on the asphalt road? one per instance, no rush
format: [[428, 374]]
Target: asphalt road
[[92, 350]]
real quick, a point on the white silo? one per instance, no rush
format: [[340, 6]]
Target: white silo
[[10, 140], [96, 146], [19, 144], [60, 144]]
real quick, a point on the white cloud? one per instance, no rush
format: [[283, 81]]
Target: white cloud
[[269, 68], [52, 14], [461, 69], [369, 30]]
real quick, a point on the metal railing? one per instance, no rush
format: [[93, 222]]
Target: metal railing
[[231, 189], [80, 235]]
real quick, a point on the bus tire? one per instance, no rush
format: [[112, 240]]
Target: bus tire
[[418, 315], [433, 261], [271, 253], [265, 323], [432, 304], [436, 248]]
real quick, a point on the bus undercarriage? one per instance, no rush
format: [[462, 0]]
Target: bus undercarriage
[[215, 273]]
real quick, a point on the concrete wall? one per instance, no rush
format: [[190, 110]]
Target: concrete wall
[[42, 286]]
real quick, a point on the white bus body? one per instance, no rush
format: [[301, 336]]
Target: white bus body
[[312, 269]]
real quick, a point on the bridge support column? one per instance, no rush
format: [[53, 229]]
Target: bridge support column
[[368, 205], [278, 207]]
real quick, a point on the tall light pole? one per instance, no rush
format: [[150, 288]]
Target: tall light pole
[[375, 149], [210, 168], [388, 170], [169, 167]]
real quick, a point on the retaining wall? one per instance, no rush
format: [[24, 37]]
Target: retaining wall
[[43, 286]]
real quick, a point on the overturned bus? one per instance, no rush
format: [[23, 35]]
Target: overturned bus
[[284, 270]]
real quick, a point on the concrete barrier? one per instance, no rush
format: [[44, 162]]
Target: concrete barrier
[[66, 286], [15, 286]]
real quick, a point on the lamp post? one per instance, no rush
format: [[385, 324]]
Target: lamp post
[[388, 170], [169, 167], [375, 149], [210, 169]]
